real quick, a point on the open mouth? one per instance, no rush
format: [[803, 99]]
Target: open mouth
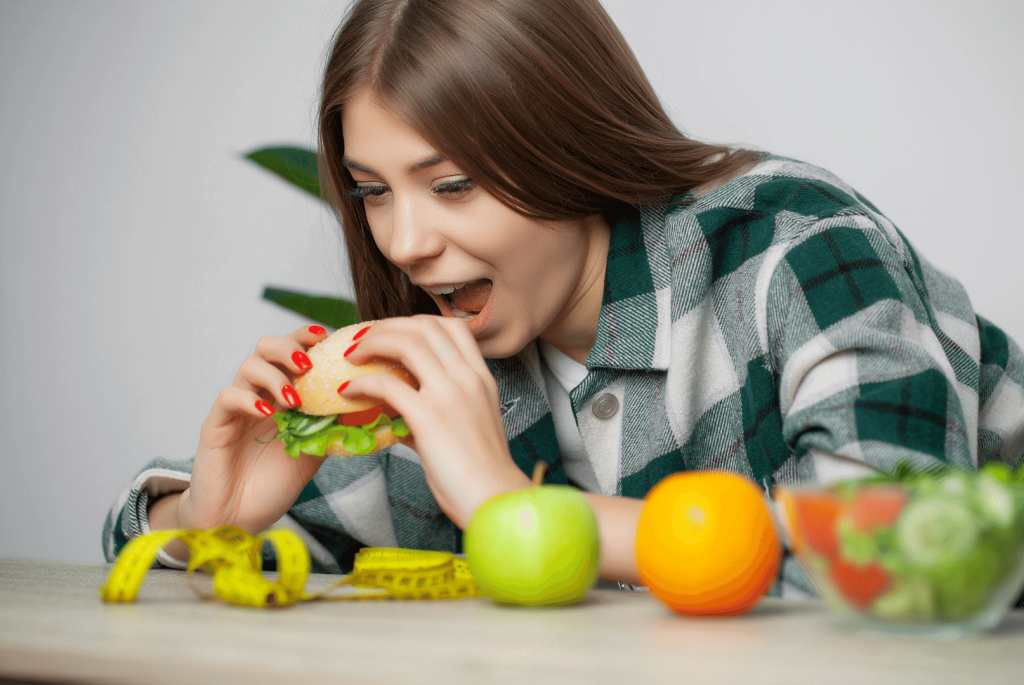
[[464, 300]]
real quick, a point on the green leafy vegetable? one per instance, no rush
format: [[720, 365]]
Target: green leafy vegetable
[[313, 434], [954, 543]]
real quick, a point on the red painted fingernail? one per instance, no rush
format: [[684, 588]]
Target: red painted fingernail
[[361, 333], [302, 361], [317, 330], [264, 408], [343, 386], [290, 395], [350, 350]]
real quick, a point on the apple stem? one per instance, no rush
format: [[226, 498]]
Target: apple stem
[[538, 472]]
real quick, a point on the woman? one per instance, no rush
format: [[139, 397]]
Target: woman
[[615, 299]]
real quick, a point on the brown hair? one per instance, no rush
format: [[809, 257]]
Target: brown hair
[[540, 102]]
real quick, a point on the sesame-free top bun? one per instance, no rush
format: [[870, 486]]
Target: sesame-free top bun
[[318, 387]]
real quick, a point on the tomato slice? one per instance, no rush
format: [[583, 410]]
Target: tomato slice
[[360, 418], [877, 506], [390, 411], [858, 584], [816, 515]]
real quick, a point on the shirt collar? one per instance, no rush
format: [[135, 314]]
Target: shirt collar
[[634, 327]]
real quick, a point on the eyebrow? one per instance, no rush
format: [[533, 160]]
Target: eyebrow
[[418, 166]]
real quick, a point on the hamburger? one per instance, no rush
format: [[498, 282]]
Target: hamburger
[[325, 423]]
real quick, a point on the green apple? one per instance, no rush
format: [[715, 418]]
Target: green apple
[[537, 546]]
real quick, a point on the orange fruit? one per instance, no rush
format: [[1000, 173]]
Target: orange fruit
[[706, 544]]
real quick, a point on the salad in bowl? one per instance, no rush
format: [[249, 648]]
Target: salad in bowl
[[937, 551]]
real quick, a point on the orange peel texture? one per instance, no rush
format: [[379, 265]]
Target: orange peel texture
[[706, 544]]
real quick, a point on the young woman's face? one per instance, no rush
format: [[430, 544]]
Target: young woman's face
[[512, 278]]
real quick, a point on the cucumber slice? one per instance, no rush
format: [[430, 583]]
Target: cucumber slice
[[995, 500], [312, 425], [936, 531], [954, 484]]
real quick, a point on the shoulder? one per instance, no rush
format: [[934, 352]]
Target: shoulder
[[774, 185], [769, 209]]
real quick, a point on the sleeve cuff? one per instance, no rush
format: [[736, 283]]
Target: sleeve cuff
[[151, 484]]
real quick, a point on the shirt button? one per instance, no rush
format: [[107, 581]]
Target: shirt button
[[605, 406]]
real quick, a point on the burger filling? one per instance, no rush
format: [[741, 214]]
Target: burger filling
[[357, 432]]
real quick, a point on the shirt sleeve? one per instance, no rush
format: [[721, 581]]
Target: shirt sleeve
[[877, 353], [331, 548], [128, 517]]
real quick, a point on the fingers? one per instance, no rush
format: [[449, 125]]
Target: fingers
[[257, 377], [309, 335], [440, 352], [267, 375], [401, 396], [233, 401], [290, 352], [435, 349]]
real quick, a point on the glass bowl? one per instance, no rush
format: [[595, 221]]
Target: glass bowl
[[934, 554]]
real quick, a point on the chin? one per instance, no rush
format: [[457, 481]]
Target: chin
[[501, 347]]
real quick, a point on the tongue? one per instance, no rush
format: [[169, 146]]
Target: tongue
[[473, 297]]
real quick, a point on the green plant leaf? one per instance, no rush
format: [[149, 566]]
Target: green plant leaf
[[329, 311], [294, 164]]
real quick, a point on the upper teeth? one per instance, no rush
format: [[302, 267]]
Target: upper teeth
[[445, 289]]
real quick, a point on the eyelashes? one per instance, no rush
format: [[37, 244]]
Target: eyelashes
[[453, 187], [375, 193], [363, 192]]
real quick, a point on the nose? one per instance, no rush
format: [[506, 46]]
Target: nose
[[414, 235]]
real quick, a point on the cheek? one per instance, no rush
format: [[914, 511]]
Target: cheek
[[506, 238], [379, 229], [542, 254]]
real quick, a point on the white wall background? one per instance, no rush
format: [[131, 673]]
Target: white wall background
[[135, 242]]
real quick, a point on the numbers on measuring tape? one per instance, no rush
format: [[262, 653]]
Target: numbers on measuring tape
[[232, 557]]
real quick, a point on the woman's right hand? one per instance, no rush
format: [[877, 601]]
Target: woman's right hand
[[236, 479]]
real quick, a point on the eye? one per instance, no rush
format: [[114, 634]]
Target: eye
[[454, 189], [370, 194]]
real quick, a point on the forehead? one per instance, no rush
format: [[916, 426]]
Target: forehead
[[374, 136]]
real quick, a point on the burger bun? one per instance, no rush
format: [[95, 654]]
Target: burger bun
[[318, 387]]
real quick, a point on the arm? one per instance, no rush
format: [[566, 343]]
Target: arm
[[237, 480], [876, 352], [457, 429], [617, 521], [128, 517], [163, 515]]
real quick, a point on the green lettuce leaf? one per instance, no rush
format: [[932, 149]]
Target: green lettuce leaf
[[313, 434]]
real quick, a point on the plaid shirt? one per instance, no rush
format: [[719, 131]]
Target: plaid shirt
[[763, 327]]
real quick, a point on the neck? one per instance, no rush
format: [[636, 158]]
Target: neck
[[574, 330]]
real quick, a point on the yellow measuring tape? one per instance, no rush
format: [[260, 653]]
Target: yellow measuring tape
[[232, 556]]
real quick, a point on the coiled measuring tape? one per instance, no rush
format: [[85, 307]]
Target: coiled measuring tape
[[233, 558]]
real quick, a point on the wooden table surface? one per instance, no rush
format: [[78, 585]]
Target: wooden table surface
[[53, 627]]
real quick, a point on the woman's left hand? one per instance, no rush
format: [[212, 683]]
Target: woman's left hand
[[454, 417]]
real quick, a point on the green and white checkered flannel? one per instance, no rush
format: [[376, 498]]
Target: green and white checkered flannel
[[772, 324]]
